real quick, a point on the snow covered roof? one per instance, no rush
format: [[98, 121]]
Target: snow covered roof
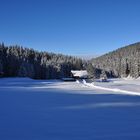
[[79, 73]]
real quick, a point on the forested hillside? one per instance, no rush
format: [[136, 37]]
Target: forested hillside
[[121, 62], [24, 62], [16, 61]]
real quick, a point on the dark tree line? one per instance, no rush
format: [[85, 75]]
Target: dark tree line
[[16, 61], [24, 62], [121, 62]]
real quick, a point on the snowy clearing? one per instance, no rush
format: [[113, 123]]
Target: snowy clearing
[[114, 86], [121, 86], [56, 110]]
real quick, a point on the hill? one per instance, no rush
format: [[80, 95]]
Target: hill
[[122, 62], [16, 61]]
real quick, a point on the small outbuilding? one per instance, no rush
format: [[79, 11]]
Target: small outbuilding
[[103, 77], [79, 74]]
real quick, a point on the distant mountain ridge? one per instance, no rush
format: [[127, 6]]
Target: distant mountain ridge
[[121, 62]]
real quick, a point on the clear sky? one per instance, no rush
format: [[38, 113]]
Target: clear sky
[[81, 27]]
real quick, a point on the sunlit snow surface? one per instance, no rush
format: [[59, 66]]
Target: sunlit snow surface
[[55, 110]]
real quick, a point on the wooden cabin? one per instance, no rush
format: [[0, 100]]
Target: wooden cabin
[[79, 74]]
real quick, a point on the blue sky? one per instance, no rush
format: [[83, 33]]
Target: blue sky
[[75, 27]]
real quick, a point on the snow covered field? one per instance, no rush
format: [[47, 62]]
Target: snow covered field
[[121, 86], [55, 110]]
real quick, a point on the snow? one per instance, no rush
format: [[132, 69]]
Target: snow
[[131, 87], [56, 110], [79, 73], [115, 86]]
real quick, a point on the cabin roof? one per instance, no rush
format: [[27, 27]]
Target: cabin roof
[[79, 73]]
